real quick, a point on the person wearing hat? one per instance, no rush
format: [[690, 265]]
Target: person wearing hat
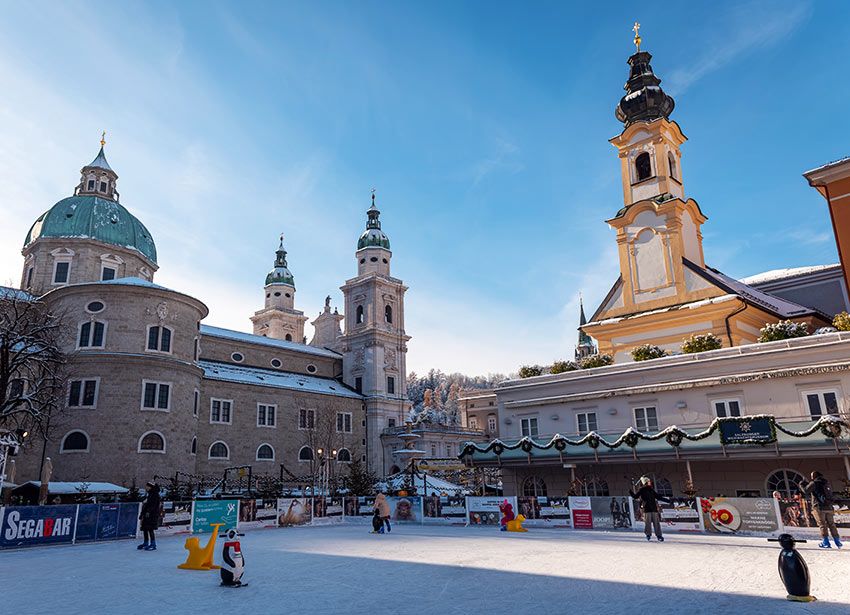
[[649, 506], [150, 517]]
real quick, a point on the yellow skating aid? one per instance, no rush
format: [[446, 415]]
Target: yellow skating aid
[[201, 558]]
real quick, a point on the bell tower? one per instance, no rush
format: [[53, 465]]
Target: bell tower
[[279, 319], [374, 345]]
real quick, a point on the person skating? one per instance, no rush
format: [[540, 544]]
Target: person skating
[[820, 493], [377, 523], [649, 507], [383, 508], [150, 517]]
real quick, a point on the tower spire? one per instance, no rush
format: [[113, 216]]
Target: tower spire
[[102, 139], [637, 40], [644, 100], [280, 254]]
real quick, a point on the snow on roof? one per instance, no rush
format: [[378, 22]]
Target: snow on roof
[[7, 292], [63, 488], [684, 306], [781, 274], [131, 281], [271, 378], [250, 338]]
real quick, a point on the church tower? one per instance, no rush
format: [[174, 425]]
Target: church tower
[[326, 327], [585, 346], [374, 345], [279, 319]]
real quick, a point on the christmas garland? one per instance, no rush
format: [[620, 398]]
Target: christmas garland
[[830, 426]]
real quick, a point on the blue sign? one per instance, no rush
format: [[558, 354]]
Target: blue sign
[[28, 526], [207, 512], [107, 521], [747, 430]]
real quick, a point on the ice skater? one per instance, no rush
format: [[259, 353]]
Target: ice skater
[[820, 492], [150, 517], [377, 523], [382, 508], [649, 507]]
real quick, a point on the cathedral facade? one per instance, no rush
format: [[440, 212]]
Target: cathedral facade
[[153, 391]]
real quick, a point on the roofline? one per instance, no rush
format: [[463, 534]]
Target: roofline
[[259, 340], [116, 284]]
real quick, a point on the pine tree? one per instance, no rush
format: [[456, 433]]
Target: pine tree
[[359, 480]]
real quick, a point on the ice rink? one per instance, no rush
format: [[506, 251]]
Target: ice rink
[[416, 569]]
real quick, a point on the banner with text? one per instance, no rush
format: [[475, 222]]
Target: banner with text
[[482, 510], [254, 514], [294, 511], [29, 526], [327, 510], [207, 512], [757, 516], [176, 518], [443, 509], [107, 521], [543, 511]]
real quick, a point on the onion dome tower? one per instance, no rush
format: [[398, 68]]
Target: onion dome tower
[[585, 346], [644, 100], [279, 319]]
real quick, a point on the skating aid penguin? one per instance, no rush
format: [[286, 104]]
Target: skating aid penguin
[[793, 570], [232, 560]]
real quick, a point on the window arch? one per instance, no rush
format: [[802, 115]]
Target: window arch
[[76, 441], [388, 314], [643, 167], [92, 334], [219, 450], [151, 442], [288, 337], [194, 449], [595, 486], [344, 455], [159, 338], [305, 454], [785, 481], [359, 315], [533, 486], [671, 161], [265, 452]]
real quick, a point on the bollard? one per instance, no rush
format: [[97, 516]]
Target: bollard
[[793, 570]]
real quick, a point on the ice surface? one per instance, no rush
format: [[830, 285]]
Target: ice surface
[[424, 570]]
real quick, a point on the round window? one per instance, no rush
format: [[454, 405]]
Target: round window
[[277, 294], [362, 260], [311, 368], [385, 261], [288, 295], [95, 306], [268, 295], [374, 259], [276, 363], [237, 356]]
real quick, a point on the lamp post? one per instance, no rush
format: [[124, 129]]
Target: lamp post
[[325, 469]]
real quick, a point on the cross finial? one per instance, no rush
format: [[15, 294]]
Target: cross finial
[[636, 29], [373, 196], [102, 138]]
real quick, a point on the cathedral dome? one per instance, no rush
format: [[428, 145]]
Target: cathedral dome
[[373, 236], [93, 217], [281, 273]]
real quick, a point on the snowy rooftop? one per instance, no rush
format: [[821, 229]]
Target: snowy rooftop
[[131, 281], [250, 338], [685, 306], [270, 378], [781, 274], [63, 488], [7, 292]]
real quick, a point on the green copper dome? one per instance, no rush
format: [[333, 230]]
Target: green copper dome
[[280, 274], [92, 217], [373, 236]]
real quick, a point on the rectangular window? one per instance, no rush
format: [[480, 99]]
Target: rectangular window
[[220, 411], [196, 402], [448, 449], [306, 419], [390, 385], [90, 184], [107, 273], [159, 338], [103, 186], [529, 427], [820, 403], [390, 422], [491, 424], [60, 273], [29, 276], [82, 393], [91, 335], [646, 419], [727, 407], [586, 422], [358, 384], [473, 422], [197, 348], [156, 395], [343, 422], [433, 450], [266, 415]]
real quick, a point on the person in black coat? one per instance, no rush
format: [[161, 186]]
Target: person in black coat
[[150, 516], [822, 499], [649, 506]]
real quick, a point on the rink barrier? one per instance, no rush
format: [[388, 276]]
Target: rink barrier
[[30, 526]]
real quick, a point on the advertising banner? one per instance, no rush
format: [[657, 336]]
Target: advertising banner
[[29, 526], [680, 515], [257, 513], [582, 512], [543, 511], [485, 510], [107, 521], [797, 514], [177, 517], [207, 512], [359, 509], [294, 511], [757, 516], [327, 510], [611, 513], [405, 509], [444, 509]]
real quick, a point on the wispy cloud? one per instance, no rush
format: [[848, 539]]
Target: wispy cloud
[[743, 29], [503, 160]]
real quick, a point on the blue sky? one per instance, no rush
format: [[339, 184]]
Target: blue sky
[[482, 125]]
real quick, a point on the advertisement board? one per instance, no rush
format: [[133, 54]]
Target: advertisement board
[[755, 516], [543, 511], [582, 512], [747, 430], [327, 510], [679, 515], [294, 511], [405, 509], [796, 514], [444, 509], [207, 512], [176, 518], [29, 526], [484, 510], [257, 513], [107, 521]]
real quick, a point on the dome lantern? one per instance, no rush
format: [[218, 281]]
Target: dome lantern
[[280, 274], [373, 236]]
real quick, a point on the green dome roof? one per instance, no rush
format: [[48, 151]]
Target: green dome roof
[[281, 273], [373, 238], [91, 217]]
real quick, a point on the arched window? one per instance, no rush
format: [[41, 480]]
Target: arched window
[[343, 456], [595, 486], [305, 454], [643, 167], [394, 470], [194, 445], [671, 161], [359, 315], [265, 453], [388, 314], [288, 337], [152, 442], [785, 482], [533, 486], [75, 442], [159, 338], [92, 334], [219, 450], [663, 487]]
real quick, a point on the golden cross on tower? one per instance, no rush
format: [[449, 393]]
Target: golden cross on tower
[[636, 29], [103, 138]]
